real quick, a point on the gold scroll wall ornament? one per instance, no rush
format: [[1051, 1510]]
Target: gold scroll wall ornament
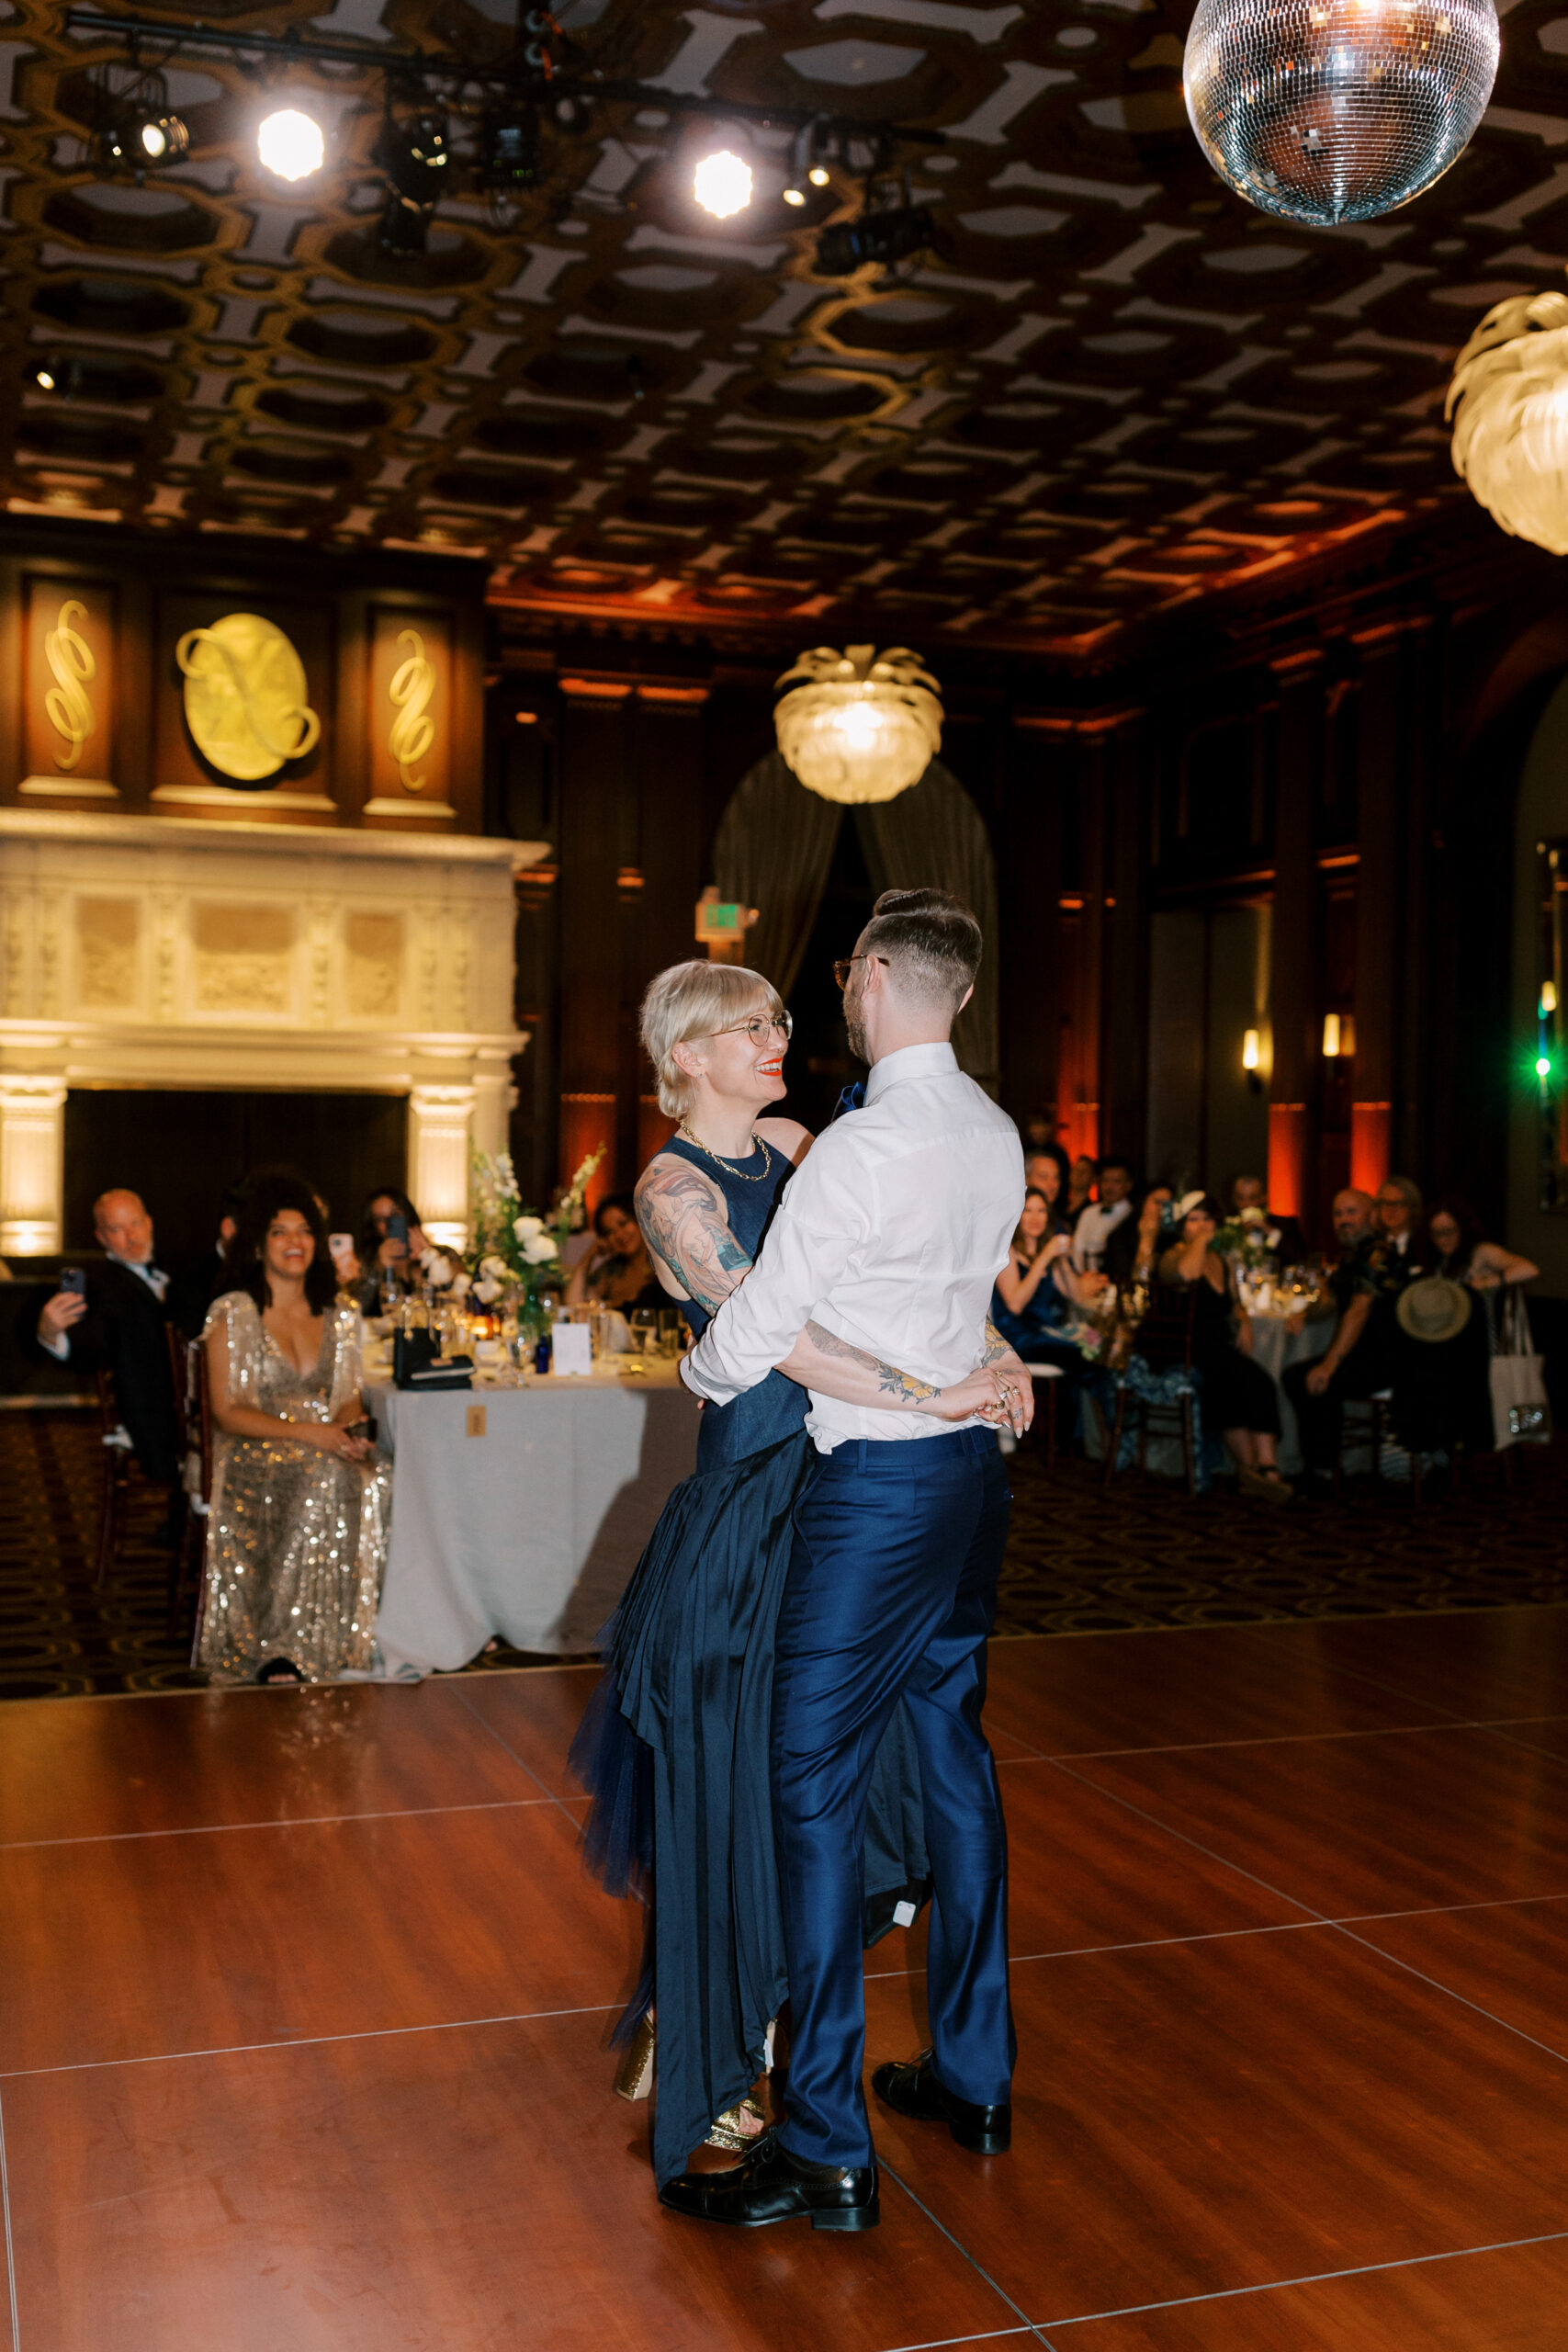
[[66, 704], [412, 735], [244, 696]]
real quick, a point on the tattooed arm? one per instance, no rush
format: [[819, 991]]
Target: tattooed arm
[[834, 1367], [682, 1216]]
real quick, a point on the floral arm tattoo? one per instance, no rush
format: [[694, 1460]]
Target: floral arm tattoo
[[681, 1214], [902, 1385], [995, 1346]]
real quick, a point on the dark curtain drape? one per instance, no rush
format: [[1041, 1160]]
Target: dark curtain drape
[[776, 846]]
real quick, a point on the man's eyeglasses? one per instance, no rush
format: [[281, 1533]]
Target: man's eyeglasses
[[846, 965], [760, 1028]]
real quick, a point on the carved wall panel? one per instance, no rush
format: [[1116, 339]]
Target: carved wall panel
[[71, 628]]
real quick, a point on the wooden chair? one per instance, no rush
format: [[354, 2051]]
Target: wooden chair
[[193, 1410], [1152, 1417], [116, 1484], [1370, 1427]]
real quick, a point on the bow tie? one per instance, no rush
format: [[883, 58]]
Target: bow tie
[[851, 1099]]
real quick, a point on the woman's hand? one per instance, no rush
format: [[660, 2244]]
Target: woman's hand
[[391, 1253], [1057, 1247], [1002, 1393], [334, 1437]]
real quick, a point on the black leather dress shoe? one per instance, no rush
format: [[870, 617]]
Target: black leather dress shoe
[[909, 2088], [770, 2185]]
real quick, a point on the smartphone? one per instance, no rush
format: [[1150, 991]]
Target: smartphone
[[340, 1245], [398, 1227], [73, 1278]]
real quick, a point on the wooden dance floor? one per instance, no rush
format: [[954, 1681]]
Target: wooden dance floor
[[305, 2000]]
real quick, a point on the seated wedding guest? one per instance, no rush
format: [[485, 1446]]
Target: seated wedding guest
[[617, 1271], [1035, 1294], [1082, 1177], [1038, 1132], [1099, 1220], [1354, 1364], [118, 1326], [1236, 1396], [1129, 1253], [197, 1286], [1457, 1247], [1289, 1244], [1396, 1254], [1046, 1169], [296, 1539], [382, 1252]]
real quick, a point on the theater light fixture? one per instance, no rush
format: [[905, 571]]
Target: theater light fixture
[[722, 183], [291, 144], [890, 233], [416, 156], [144, 133], [510, 149], [859, 725], [1548, 998]]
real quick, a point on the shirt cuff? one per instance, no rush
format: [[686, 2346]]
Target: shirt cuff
[[59, 1349], [701, 1372]]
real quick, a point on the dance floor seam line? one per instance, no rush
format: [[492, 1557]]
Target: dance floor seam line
[[312, 2041], [290, 1821], [1320, 1918], [10, 2243], [1503, 1725], [945, 2342], [563, 1804], [1029, 2326], [1311, 2278]]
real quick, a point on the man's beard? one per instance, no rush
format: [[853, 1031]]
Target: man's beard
[[855, 1029]]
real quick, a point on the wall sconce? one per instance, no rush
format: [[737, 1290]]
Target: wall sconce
[[1338, 1036], [1251, 1056], [1548, 998]]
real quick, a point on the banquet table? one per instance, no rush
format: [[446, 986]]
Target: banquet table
[[531, 1527]]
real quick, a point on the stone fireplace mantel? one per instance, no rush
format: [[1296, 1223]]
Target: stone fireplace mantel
[[173, 952]]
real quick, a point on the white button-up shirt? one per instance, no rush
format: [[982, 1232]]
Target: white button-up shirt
[[1094, 1228], [889, 1235]]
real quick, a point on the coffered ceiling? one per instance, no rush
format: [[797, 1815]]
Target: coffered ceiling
[[1109, 388]]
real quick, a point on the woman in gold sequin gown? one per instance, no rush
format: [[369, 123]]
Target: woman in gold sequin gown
[[297, 1538]]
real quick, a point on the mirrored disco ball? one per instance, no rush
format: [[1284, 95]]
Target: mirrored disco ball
[[1326, 111]]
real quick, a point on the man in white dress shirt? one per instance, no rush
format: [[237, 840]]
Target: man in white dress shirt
[[887, 1240]]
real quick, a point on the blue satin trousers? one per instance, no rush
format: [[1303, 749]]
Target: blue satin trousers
[[891, 1591]]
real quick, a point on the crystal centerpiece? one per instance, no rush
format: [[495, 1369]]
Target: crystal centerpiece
[[1328, 110]]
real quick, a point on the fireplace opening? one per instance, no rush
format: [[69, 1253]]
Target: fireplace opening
[[181, 1149]]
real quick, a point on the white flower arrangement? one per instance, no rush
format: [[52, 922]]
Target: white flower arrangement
[[514, 1247]]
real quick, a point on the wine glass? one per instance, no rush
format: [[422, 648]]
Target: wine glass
[[643, 1322], [672, 1333]]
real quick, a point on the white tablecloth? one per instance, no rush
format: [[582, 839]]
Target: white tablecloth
[[532, 1530]]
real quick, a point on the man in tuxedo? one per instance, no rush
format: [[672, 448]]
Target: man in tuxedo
[[119, 1328]]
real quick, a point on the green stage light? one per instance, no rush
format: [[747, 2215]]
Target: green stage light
[[1543, 1065]]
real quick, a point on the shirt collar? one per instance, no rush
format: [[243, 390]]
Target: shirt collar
[[909, 1061]]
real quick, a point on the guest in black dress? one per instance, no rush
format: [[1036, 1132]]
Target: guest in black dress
[[1238, 1396], [674, 1747]]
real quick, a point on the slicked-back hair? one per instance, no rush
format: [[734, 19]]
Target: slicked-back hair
[[690, 1001], [933, 943]]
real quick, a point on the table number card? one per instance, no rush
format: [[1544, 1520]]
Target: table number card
[[572, 1348]]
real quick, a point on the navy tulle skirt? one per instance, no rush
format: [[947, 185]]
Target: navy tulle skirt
[[673, 1750]]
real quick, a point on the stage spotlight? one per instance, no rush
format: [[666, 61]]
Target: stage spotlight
[[721, 182], [509, 148], [890, 235], [290, 143], [145, 133], [416, 157]]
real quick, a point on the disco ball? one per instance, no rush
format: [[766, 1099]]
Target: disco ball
[[1328, 110]]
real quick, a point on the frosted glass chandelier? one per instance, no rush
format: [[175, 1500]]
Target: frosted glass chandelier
[[1328, 110], [859, 725], [1509, 404]]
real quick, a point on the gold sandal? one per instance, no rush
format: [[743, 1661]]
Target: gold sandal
[[635, 2079], [727, 2132]]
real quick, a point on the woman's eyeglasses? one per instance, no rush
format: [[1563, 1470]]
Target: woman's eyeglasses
[[760, 1028], [846, 965]]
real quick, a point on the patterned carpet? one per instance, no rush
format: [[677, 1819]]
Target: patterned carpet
[[1082, 1558]]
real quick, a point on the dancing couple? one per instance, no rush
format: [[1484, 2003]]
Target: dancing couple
[[785, 1750]]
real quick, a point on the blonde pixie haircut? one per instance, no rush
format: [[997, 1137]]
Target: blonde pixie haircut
[[692, 1001]]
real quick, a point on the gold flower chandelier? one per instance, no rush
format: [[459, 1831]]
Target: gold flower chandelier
[[1509, 404], [859, 725]]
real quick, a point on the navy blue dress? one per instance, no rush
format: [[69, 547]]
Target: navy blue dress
[[673, 1747]]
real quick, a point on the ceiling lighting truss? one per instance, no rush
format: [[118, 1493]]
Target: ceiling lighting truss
[[519, 98]]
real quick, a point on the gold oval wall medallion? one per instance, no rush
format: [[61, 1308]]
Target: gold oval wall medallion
[[66, 704], [244, 696], [411, 735]]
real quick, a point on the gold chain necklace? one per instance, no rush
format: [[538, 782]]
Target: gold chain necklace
[[762, 1172]]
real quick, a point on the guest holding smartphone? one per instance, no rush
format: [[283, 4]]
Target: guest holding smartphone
[[112, 1319], [391, 1243]]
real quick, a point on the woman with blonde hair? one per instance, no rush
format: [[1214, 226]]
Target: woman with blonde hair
[[674, 1746]]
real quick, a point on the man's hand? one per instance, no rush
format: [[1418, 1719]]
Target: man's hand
[[1318, 1378], [67, 1307]]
